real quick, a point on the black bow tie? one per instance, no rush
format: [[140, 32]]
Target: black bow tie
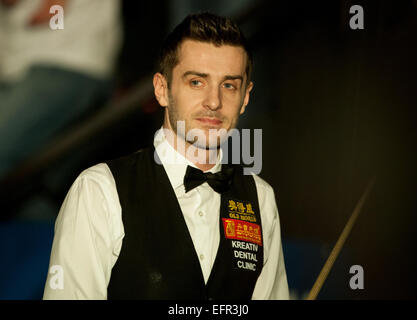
[[220, 181]]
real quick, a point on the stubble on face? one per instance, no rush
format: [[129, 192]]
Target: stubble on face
[[197, 136]]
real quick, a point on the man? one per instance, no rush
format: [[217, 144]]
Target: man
[[134, 229]]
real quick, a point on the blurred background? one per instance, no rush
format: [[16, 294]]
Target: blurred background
[[336, 106]]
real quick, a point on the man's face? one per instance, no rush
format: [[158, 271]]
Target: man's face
[[208, 89]]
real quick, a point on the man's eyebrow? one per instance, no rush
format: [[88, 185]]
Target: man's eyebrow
[[233, 77], [205, 75], [195, 73]]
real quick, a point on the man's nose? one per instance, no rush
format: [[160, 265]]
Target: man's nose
[[213, 99]]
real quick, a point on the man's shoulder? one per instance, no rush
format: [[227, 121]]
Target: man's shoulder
[[267, 200], [261, 184], [99, 173], [92, 186]]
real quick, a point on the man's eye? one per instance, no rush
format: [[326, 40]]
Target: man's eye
[[196, 83], [229, 86]]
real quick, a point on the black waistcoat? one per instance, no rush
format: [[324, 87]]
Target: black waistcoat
[[158, 259]]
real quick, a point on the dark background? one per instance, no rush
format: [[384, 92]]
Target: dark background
[[336, 106]]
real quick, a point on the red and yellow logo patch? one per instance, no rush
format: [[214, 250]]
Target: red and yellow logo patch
[[242, 230]]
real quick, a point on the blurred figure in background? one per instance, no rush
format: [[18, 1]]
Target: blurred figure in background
[[48, 78]]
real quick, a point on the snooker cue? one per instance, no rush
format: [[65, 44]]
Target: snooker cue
[[339, 244]]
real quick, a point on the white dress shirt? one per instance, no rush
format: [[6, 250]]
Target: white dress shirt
[[89, 230]]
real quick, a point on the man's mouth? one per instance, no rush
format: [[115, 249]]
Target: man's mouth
[[210, 121]]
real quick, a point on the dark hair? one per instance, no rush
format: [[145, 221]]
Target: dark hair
[[204, 27]]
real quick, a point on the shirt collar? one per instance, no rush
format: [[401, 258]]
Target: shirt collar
[[175, 164]]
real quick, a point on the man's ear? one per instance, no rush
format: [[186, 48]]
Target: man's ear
[[246, 98], [160, 85]]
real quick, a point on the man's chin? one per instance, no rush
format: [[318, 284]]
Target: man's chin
[[198, 143], [204, 139]]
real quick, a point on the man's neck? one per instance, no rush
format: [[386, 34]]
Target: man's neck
[[204, 159]]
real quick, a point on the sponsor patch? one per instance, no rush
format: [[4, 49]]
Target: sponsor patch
[[242, 230]]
